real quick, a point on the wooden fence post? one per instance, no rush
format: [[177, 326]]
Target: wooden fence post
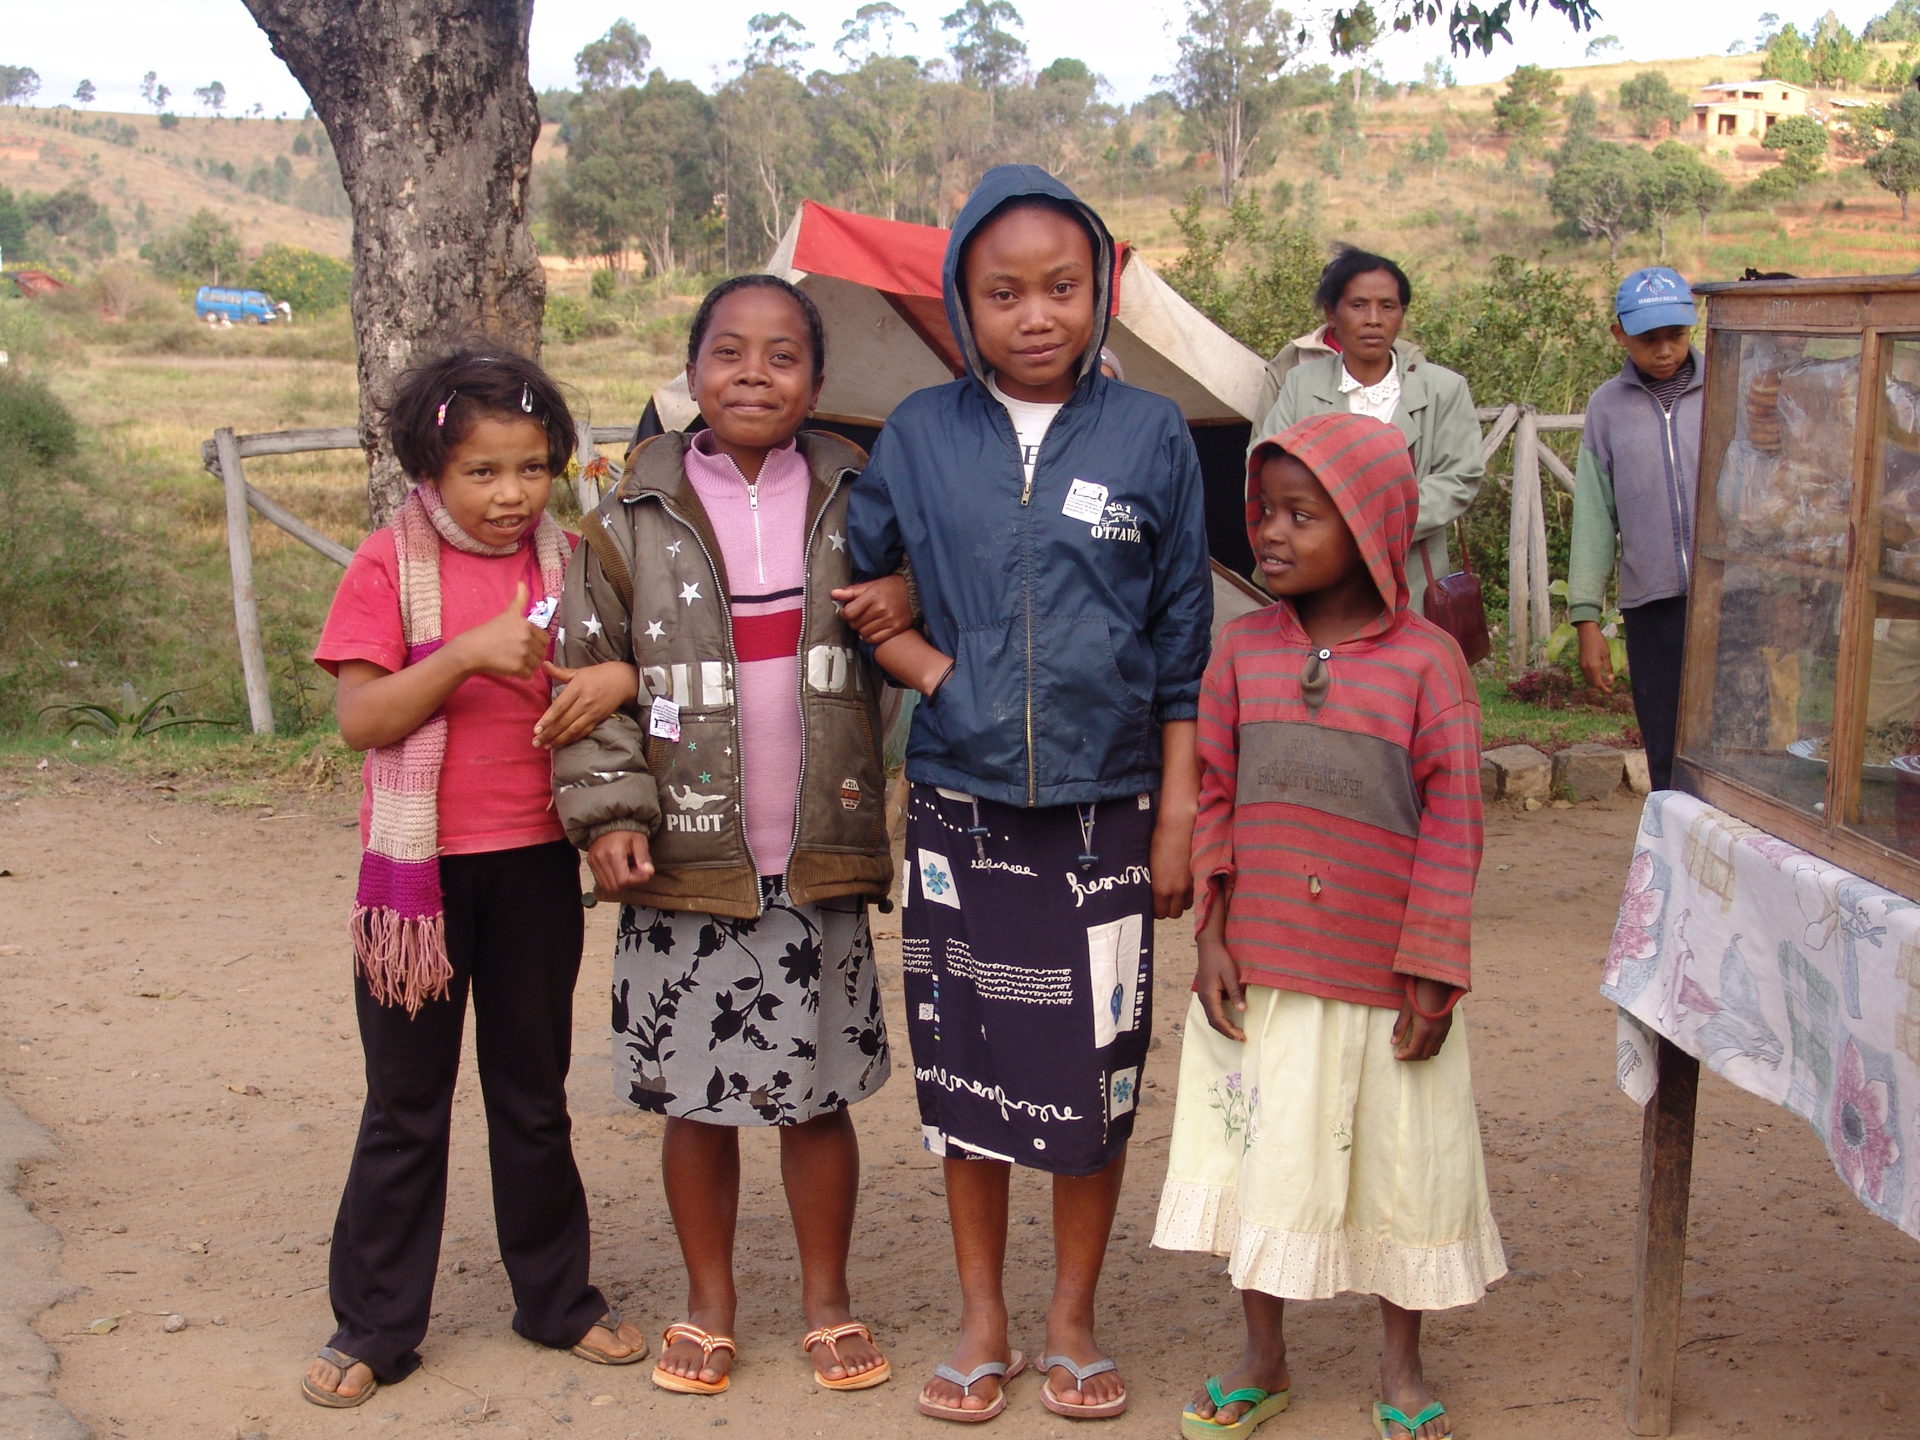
[[1538, 579], [1526, 500], [246, 613]]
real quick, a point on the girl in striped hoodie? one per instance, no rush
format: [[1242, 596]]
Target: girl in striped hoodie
[[1325, 1136]]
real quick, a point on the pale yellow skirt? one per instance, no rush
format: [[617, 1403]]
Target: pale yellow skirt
[[1320, 1164]]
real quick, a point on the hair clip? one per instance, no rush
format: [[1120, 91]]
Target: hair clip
[[440, 419], [526, 398]]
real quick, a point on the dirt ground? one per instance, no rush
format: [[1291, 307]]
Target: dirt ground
[[174, 1013]]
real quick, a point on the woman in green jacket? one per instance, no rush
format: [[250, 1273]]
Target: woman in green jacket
[[1357, 362]]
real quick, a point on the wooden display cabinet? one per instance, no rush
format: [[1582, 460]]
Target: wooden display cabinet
[[1800, 708]]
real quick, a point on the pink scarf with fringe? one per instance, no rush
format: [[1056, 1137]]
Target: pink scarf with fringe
[[398, 928]]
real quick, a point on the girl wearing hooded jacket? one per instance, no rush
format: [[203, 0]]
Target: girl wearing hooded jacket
[[1052, 520]]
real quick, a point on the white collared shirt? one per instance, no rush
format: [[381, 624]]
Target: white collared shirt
[[1377, 401]]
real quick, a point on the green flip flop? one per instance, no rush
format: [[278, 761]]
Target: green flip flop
[[1265, 1405], [1384, 1413]]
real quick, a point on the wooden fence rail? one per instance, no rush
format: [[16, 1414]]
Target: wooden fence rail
[[1528, 617]]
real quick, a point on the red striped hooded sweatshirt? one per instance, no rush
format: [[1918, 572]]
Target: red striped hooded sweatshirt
[[1343, 812]]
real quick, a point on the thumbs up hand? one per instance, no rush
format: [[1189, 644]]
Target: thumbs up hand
[[508, 644]]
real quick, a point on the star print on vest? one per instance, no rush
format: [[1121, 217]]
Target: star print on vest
[[690, 592], [674, 548], [838, 540], [655, 630], [592, 626]]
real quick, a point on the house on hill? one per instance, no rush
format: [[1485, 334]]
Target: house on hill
[[1735, 111]]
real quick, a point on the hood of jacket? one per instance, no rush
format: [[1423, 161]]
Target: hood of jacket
[[1364, 466], [999, 185]]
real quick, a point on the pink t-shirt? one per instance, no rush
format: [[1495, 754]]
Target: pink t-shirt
[[496, 788], [763, 540]]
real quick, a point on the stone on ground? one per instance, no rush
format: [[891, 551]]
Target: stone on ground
[[1588, 771], [1639, 779], [1515, 772]]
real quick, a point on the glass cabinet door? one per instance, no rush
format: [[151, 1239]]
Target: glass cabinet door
[[1772, 560], [1888, 805]]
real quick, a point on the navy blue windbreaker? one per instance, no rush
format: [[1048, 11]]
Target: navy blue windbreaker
[[1074, 640]]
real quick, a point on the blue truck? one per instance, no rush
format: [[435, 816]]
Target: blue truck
[[214, 303]]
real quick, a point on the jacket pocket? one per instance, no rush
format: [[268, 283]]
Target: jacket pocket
[[842, 797], [976, 722], [699, 789], [1091, 722]]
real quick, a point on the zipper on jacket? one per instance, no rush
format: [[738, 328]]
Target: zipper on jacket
[[733, 675], [753, 504], [1673, 487], [800, 685]]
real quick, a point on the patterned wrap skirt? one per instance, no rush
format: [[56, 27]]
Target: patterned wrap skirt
[[1319, 1163], [1028, 976], [773, 1021]]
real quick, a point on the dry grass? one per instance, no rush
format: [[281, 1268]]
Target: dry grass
[[158, 169]]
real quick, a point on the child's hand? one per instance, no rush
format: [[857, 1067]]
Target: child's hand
[[1216, 979], [508, 644], [1596, 656], [1170, 863], [910, 659], [592, 693], [878, 609], [1415, 1037], [620, 860]]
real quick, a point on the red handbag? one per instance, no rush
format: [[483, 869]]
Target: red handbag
[[1453, 603]]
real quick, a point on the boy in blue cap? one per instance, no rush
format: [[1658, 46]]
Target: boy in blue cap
[[1639, 466]]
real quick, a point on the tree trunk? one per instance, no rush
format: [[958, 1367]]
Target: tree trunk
[[430, 112], [1903, 207]]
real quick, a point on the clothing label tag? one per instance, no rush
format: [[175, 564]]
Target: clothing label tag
[[663, 719], [1085, 501], [542, 612]]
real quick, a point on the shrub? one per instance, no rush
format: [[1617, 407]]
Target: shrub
[[311, 283], [602, 284], [168, 120], [63, 599], [33, 421]]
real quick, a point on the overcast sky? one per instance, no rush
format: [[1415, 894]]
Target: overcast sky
[[190, 42]]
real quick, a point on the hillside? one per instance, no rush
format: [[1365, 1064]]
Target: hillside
[[151, 179]]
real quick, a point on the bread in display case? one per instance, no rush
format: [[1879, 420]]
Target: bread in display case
[[1800, 710]]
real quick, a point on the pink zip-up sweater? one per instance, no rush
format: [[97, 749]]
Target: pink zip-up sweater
[[762, 530]]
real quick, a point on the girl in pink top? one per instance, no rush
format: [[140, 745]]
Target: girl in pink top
[[467, 883], [722, 1020]]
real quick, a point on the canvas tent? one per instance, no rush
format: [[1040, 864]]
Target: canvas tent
[[877, 283]]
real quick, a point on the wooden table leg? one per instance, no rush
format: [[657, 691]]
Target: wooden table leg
[[1666, 1178]]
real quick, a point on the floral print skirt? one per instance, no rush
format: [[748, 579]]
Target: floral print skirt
[[771, 1021], [1321, 1164]]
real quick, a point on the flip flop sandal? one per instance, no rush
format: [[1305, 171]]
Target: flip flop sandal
[[683, 1385], [610, 1322], [333, 1399], [1081, 1374], [1005, 1369], [1264, 1406], [1383, 1413], [831, 1336]]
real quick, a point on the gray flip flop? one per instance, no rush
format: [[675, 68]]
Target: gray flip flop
[[1081, 1374], [1003, 1369], [333, 1399]]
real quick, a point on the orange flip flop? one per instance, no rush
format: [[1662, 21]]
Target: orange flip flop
[[830, 1336], [683, 1385]]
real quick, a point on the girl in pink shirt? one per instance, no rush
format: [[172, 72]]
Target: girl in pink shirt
[[737, 813], [437, 636]]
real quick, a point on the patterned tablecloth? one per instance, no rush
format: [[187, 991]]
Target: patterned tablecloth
[[1788, 976]]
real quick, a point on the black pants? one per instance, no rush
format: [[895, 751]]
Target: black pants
[[1656, 642], [514, 931]]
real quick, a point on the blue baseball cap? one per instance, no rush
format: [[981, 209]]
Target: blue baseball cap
[[1651, 298]]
